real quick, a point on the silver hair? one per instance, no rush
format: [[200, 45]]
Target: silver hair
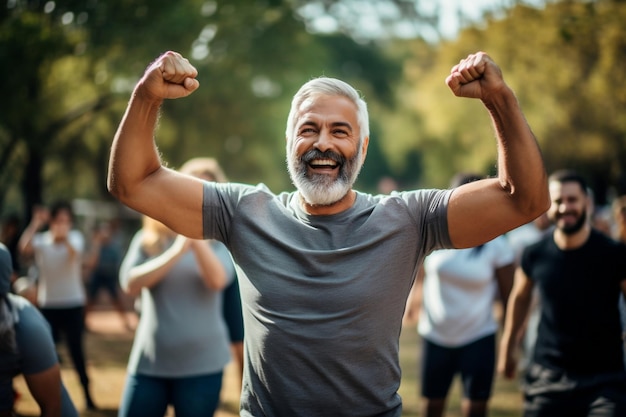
[[330, 87]]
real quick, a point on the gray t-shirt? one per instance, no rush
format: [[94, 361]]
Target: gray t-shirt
[[35, 353], [323, 296], [181, 331]]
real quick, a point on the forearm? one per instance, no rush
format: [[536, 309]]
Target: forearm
[[45, 387], [518, 308], [151, 272], [520, 163], [505, 278], [211, 268], [71, 251], [25, 243]]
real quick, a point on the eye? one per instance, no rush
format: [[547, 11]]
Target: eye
[[307, 131]]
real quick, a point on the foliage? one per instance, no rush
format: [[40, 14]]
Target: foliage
[[66, 64], [563, 62], [73, 66], [75, 63]]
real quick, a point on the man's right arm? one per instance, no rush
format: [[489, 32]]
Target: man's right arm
[[517, 311], [136, 175]]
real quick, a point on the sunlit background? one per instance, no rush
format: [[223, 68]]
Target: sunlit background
[[68, 69]]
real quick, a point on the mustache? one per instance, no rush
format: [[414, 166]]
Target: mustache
[[312, 154], [568, 213]]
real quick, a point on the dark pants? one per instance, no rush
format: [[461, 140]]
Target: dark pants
[[549, 393], [70, 324], [475, 362]]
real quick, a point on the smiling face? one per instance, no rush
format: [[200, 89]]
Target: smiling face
[[568, 211], [326, 153]]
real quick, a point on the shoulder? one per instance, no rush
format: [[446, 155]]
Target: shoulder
[[537, 249], [601, 241], [33, 336], [236, 189], [32, 333], [41, 238], [234, 194], [29, 318], [427, 200], [541, 244]]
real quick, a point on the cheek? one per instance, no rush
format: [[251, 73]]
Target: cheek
[[299, 147]]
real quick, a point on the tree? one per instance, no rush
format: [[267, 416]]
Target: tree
[[74, 64], [563, 62], [62, 55]]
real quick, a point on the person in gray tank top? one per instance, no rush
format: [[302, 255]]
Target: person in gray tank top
[[325, 270]]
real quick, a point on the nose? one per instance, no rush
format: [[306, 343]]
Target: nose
[[324, 140]]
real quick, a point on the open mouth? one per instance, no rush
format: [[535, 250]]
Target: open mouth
[[323, 164]]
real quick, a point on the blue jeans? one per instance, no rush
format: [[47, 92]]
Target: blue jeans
[[149, 396]]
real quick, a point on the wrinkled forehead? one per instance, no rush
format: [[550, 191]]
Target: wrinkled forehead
[[325, 106]]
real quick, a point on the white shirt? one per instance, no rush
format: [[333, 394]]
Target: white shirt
[[459, 290], [60, 278]]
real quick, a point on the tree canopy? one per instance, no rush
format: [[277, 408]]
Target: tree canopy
[[73, 65], [563, 62]]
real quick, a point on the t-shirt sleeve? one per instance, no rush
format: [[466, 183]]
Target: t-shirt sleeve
[[38, 240], [430, 210], [34, 338], [219, 204]]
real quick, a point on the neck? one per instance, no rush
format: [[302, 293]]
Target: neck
[[325, 210], [573, 241]]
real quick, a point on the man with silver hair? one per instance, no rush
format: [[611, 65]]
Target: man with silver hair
[[321, 189], [325, 270]]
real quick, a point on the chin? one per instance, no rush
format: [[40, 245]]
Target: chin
[[315, 200], [323, 195]]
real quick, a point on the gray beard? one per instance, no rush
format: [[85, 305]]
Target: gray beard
[[320, 189]]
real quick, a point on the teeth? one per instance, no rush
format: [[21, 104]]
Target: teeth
[[323, 162]]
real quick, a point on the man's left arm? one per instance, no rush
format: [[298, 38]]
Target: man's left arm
[[481, 210]]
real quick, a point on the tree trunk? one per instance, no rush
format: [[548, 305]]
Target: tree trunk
[[32, 184]]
